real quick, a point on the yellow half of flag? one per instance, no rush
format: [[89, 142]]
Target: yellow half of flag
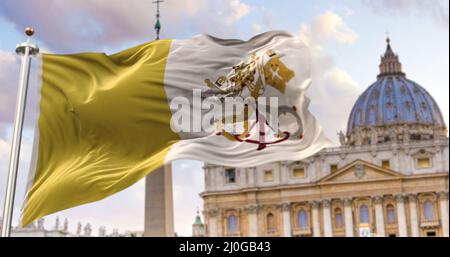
[[104, 124]]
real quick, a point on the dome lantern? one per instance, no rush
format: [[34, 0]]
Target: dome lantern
[[390, 63]]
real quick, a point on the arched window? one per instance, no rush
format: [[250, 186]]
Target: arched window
[[270, 222], [428, 210], [338, 222], [232, 224], [390, 214], [302, 219], [364, 217]]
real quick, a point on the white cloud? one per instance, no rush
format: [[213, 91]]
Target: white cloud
[[436, 9], [257, 28], [327, 27], [234, 10], [265, 22], [4, 150], [77, 25], [333, 91], [9, 76]]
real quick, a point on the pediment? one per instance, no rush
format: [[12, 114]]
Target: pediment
[[422, 153], [360, 171]]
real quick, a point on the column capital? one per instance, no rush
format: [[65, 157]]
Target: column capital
[[348, 201], [251, 168], [377, 199], [412, 197], [400, 198], [251, 209], [213, 212], [285, 207], [443, 195], [326, 203], [315, 204]]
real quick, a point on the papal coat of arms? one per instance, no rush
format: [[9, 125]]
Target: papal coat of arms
[[261, 70]]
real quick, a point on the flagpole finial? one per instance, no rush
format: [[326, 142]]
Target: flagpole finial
[[29, 46], [158, 15], [29, 31]]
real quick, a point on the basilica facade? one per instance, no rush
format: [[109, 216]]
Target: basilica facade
[[389, 177]]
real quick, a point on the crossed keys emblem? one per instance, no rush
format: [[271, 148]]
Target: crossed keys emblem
[[263, 69]]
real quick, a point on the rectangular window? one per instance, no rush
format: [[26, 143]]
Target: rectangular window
[[268, 175], [299, 172], [333, 168], [424, 163], [431, 234], [230, 176], [415, 137], [386, 164]]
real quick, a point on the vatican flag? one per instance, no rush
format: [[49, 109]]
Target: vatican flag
[[107, 121]]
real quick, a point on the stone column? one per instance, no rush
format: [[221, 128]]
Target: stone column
[[222, 223], [413, 215], [401, 217], [159, 203], [213, 223], [443, 204], [379, 216], [287, 227], [251, 177], [348, 217], [315, 219], [327, 225], [284, 173], [252, 212]]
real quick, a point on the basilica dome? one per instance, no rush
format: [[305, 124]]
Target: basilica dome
[[394, 109]]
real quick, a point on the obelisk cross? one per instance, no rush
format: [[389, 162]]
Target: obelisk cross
[[158, 23]]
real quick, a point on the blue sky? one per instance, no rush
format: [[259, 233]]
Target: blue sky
[[346, 39]]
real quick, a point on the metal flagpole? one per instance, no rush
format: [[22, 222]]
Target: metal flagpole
[[26, 50]]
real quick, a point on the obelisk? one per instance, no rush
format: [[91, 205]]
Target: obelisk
[[159, 203]]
